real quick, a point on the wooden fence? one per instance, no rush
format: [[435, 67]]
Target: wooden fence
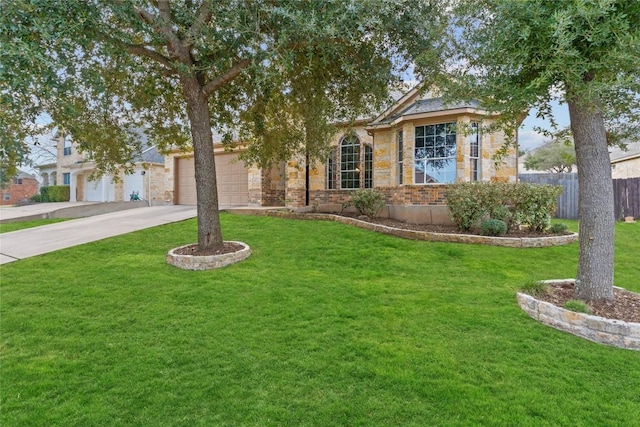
[[568, 200], [627, 197], [626, 193]]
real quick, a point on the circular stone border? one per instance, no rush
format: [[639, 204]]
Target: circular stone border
[[511, 242], [207, 262], [598, 329]]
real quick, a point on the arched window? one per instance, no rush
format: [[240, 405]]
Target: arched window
[[354, 169], [350, 162], [332, 170]]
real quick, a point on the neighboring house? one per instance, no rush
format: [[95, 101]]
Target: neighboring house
[[409, 153], [75, 170], [625, 163], [20, 187]]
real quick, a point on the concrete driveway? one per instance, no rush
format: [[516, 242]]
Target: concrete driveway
[[30, 242]]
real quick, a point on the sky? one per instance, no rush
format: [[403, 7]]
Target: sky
[[528, 138]]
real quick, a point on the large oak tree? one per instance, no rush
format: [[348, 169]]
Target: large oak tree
[[271, 73], [518, 55]]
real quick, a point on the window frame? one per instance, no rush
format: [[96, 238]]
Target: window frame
[[400, 156], [66, 178], [429, 139], [475, 151], [66, 146]]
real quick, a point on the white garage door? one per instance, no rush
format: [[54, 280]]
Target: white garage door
[[133, 183], [233, 181], [92, 190]]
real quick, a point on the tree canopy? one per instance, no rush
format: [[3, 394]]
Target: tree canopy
[[271, 74], [552, 156], [516, 55]]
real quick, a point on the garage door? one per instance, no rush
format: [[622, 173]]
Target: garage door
[[233, 181]]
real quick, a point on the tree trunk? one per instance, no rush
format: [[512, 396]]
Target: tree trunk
[[594, 281], [209, 230]]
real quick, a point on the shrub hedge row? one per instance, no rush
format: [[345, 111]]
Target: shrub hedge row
[[53, 193], [516, 204]]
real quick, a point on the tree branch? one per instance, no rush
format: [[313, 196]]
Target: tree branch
[[229, 75], [204, 17], [140, 50]]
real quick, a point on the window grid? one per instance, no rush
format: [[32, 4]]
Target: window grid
[[66, 150], [331, 170], [435, 153], [368, 166], [66, 178], [350, 162]]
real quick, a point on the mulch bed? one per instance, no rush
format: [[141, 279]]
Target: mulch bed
[[228, 248], [449, 229], [626, 306]]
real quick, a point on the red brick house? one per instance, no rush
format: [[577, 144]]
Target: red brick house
[[21, 187]]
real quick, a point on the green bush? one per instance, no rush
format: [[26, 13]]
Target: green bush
[[493, 227], [558, 228], [36, 198], [533, 205], [44, 193], [535, 288], [465, 203], [523, 203], [368, 202], [58, 193]]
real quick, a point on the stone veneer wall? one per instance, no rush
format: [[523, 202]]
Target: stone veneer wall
[[594, 328]]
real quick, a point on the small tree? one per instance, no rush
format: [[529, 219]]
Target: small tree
[[552, 156]]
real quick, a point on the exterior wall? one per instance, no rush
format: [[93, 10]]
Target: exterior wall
[[64, 162], [267, 187], [17, 192], [626, 169]]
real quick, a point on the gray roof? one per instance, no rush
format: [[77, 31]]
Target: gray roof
[[633, 150], [24, 175], [431, 105], [150, 154]]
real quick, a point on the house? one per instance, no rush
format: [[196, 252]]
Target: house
[[76, 170], [20, 187], [625, 163], [409, 153]]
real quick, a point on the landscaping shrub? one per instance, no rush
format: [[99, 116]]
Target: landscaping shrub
[[58, 193], [577, 306], [528, 204], [44, 193], [535, 288], [493, 227], [558, 228], [465, 203], [37, 198], [368, 202], [533, 205]]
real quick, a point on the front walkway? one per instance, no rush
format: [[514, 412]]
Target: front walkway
[[30, 242]]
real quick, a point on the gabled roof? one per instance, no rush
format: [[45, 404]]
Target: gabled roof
[[23, 175], [616, 154], [416, 102]]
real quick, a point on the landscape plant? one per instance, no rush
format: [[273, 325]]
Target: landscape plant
[[368, 201], [493, 227]]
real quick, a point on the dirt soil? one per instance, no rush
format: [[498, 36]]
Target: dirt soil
[[626, 307], [228, 248]]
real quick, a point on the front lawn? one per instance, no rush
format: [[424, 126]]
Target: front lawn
[[324, 325]]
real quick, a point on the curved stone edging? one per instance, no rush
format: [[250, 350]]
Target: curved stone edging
[[207, 262], [512, 242], [598, 329]]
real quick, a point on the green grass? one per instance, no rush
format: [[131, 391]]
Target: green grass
[[324, 325], [21, 225]]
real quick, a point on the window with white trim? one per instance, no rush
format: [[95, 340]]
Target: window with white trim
[[474, 151], [66, 178], [353, 169], [435, 154], [66, 150], [332, 171]]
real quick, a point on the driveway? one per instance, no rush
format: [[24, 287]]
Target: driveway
[[30, 242]]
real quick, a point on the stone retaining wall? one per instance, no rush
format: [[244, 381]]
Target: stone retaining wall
[[594, 328], [207, 262], [513, 242]]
